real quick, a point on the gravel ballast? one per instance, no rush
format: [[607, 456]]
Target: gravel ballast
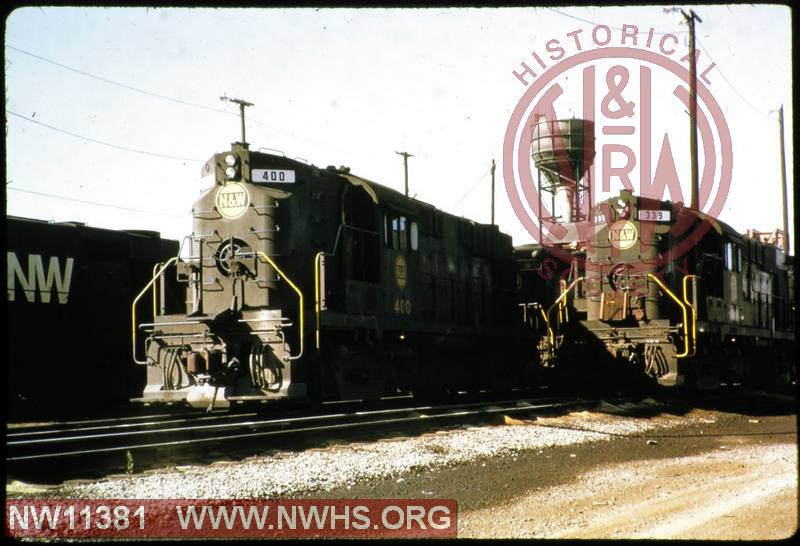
[[288, 474]]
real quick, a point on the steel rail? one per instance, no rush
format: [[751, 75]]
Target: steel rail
[[168, 419], [240, 424], [413, 415]]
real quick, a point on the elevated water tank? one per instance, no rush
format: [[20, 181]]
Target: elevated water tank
[[563, 139], [563, 150]]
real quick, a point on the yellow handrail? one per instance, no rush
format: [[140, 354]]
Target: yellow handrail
[[547, 324], [136, 300], [550, 309], [562, 306], [667, 291], [693, 308], [299, 294], [155, 290], [317, 306]]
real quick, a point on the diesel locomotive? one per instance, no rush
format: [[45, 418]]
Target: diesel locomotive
[[307, 283], [646, 289], [722, 311], [303, 282]]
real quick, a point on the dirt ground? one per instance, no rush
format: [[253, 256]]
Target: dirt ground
[[726, 473]]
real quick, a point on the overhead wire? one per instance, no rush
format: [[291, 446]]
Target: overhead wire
[[612, 28], [733, 88], [719, 70], [118, 84], [95, 203], [166, 97], [96, 141], [472, 188]]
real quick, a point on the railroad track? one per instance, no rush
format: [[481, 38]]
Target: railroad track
[[72, 448]]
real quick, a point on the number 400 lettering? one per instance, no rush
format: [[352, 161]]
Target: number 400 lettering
[[402, 307], [272, 176]]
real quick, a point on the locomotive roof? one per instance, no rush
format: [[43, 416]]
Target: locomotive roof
[[387, 196], [679, 208], [379, 193], [384, 195]]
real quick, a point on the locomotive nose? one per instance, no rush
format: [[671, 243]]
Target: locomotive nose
[[618, 277], [235, 258]]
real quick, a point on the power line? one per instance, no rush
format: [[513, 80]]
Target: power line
[[472, 188], [675, 32], [88, 139], [612, 28], [733, 88], [95, 203], [118, 84], [165, 97]]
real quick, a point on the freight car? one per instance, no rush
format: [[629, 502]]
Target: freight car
[[721, 311], [303, 282], [69, 291]]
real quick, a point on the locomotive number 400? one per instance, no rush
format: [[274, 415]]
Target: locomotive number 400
[[402, 307]]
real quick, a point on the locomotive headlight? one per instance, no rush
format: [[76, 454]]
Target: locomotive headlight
[[232, 171]]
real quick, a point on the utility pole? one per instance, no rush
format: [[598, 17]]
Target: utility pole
[[242, 105], [492, 191], [786, 246], [690, 18], [405, 155]]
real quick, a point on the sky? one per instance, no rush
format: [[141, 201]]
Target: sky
[[111, 113]]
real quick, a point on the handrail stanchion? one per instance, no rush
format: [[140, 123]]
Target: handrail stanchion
[[668, 292], [317, 303], [133, 308], [557, 302], [299, 294], [693, 306]]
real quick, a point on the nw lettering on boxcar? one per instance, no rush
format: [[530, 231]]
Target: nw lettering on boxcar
[[38, 279]]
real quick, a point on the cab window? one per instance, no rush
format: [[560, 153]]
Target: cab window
[[733, 257], [400, 232]]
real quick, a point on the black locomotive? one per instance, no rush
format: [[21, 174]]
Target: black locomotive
[[308, 282], [722, 310], [303, 282]]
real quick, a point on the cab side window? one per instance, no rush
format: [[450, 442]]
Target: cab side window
[[400, 232], [733, 257]]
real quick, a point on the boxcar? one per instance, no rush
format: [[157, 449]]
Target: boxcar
[[70, 288]]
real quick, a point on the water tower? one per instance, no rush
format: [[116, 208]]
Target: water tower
[[563, 151]]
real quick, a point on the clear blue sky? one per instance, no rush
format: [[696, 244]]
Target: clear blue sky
[[334, 86]]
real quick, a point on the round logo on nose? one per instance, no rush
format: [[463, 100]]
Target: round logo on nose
[[623, 234], [232, 200]]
